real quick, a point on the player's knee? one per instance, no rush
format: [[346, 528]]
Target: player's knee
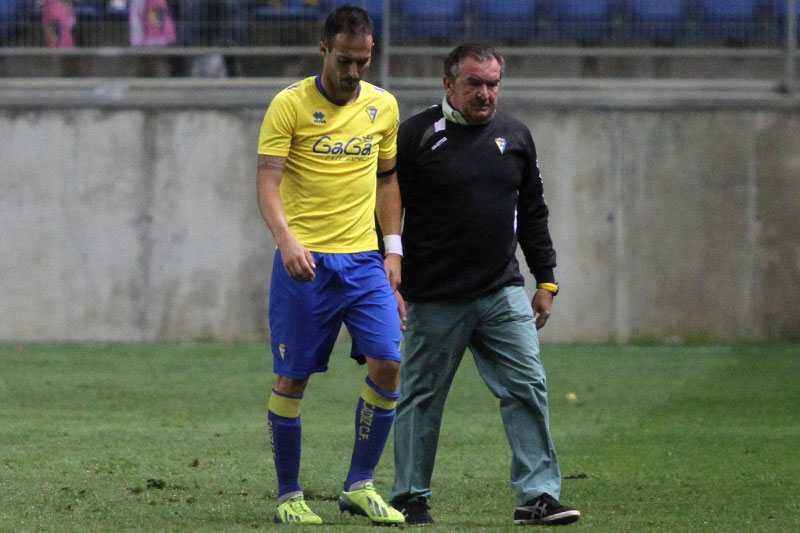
[[290, 386], [384, 374]]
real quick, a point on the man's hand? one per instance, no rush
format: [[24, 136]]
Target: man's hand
[[401, 310], [393, 266], [298, 262], [392, 263], [542, 307]]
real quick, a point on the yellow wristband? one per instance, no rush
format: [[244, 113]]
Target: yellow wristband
[[549, 287]]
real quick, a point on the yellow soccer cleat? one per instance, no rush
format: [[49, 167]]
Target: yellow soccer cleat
[[367, 502], [295, 511]]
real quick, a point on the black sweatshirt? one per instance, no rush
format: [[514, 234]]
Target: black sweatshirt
[[464, 190]]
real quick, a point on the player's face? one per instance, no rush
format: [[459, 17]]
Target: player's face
[[345, 63], [474, 90]]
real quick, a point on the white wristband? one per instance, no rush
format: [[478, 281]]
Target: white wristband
[[392, 244]]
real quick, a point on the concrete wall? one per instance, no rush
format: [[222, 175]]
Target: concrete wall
[[673, 218]]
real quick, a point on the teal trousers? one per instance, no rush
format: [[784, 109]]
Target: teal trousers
[[500, 331]]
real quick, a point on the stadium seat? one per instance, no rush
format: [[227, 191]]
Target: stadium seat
[[657, 19], [90, 9], [287, 9], [287, 22], [98, 9], [434, 21], [781, 8], [509, 20], [586, 20], [8, 19], [733, 20]]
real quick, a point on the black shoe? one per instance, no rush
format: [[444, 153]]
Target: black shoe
[[416, 512], [544, 510]]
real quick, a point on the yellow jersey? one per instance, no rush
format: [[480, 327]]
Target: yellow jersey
[[332, 152]]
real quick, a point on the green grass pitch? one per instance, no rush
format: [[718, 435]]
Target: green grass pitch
[[173, 437]]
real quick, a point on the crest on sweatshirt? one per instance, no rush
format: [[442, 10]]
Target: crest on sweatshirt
[[501, 144]]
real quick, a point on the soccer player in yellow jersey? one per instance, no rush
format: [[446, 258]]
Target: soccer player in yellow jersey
[[326, 164]]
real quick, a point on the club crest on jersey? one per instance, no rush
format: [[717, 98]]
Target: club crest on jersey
[[319, 117], [372, 111], [501, 144]]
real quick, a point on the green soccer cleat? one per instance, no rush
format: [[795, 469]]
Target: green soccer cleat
[[295, 511], [367, 502]]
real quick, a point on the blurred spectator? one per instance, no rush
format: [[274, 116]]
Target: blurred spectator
[[212, 22], [58, 21], [190, 21], [151, 24], [232, 22]]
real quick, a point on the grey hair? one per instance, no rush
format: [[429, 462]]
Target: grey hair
[[479, 51]]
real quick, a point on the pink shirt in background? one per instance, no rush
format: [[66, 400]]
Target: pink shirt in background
[[58, 20], [151, 23]]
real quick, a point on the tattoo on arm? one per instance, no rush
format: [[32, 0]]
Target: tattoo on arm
[[271, 162]]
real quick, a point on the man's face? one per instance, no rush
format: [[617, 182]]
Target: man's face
[[474, 90], [345, 62]]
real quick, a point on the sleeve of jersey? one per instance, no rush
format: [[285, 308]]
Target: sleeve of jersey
[[533, 231], [388, 145], [275, 137]]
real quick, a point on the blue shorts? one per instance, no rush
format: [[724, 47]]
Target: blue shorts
[[305, 317]]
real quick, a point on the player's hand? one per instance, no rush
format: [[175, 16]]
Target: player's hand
[[542, 307], [297, 261], [401, 310], [392, 263]]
